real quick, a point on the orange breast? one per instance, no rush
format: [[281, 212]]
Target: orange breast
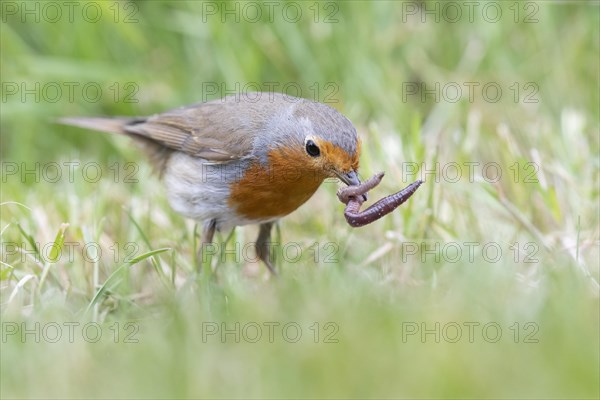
[[276, 190]]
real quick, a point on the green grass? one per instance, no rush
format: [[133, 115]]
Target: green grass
[[363, 290]]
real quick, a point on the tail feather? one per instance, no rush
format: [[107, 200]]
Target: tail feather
[[158, 153], [111, 125]]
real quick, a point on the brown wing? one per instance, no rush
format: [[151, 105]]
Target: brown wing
[[218, 131], [213, 131]]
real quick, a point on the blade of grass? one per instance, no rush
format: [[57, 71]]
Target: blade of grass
[[156, 260], [30, 240], [59, 240], [20, 285], [55, 250], [95, 268], [115, 277]]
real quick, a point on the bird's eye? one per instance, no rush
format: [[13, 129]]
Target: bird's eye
[[312, 149]]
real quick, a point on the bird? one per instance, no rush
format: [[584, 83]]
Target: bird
[[242, 159]]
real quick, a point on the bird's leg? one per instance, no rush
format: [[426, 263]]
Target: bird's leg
[[262, 246], [208, 233], [352, 196]]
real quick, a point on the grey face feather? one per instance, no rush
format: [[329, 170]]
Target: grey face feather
[[329, 124], [299, 118]]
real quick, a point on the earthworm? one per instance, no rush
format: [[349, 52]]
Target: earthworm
[[352, 196]]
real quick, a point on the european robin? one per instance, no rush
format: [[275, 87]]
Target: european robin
[[242, 159]]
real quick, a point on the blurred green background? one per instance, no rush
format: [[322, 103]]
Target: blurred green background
[[380, 63]]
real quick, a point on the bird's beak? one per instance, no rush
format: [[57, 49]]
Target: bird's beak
[[349, 178]]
